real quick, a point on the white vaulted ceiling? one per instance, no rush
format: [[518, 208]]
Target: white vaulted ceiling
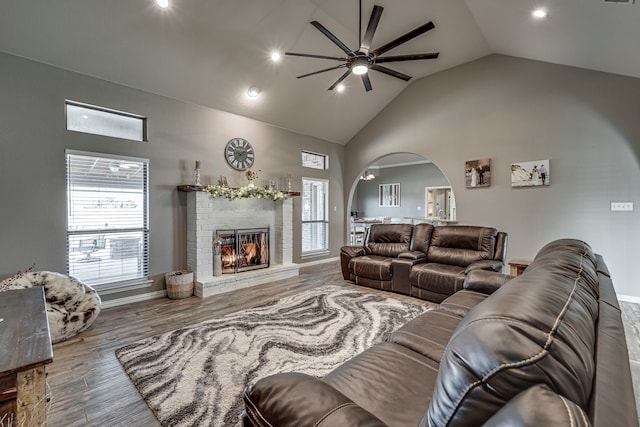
[[210, 52]]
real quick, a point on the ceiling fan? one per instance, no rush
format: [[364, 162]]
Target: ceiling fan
[[360, 61]]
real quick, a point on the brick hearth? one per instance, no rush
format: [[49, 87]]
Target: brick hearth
[[206, 215]]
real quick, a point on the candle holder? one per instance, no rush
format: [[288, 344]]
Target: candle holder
[[289, 182], [197, 176]]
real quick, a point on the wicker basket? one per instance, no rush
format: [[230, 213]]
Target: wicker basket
[[179, 284]]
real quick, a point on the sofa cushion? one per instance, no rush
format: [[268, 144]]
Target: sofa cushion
[[440, 278], [462, 302], [389, 239], [377, 381], [371, 266], [427, 334], [539, 328], [461, 245]]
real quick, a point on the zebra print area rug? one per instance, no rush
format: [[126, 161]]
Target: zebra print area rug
[[195, 376]]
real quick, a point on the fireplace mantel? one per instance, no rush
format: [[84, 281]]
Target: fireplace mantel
[[203, 188], [205, 215]]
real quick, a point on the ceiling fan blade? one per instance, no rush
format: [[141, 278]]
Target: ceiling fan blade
[[376, 13], [331, 37], [390, 72], [404, 38], [367, 82], [342, 77], [308, 55], [322, 71], [407, 57]]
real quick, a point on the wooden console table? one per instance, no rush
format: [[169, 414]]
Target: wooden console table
[[25, 349], [518, 265]]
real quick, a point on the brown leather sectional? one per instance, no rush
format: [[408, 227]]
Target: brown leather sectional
[[546, 348], [425, 261]]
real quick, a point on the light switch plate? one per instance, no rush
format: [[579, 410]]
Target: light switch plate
[[621, 206]]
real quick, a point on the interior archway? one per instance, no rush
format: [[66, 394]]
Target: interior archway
[[374, 196]]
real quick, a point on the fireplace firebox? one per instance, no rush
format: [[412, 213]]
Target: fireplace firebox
[[244, 249]]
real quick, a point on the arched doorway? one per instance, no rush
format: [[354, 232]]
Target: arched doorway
[[399, 188]]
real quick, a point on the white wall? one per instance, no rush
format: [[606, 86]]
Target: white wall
[[32, 164], [514, 110]]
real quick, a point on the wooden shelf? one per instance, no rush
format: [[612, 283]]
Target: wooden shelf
[[190, 188]]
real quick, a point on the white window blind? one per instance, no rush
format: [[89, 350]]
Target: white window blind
[[315, 220], [107, 219]]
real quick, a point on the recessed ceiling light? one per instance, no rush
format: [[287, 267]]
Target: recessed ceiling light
[[540, 13], [162, 3], [340, 87], [253, 92], [275, 56]]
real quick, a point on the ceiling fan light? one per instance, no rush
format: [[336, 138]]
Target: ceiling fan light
[[340, 88], [162, 3], [359, 70]]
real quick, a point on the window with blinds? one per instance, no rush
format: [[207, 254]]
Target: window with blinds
[[315, 218], [107, 219]]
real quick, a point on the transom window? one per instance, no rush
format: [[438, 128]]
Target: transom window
[[104, 121], [107, 219], [315, 160]]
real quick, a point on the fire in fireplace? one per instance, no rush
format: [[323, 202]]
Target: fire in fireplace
[[244, 249]]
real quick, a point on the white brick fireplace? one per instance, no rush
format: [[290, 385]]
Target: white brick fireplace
[[206, 215]]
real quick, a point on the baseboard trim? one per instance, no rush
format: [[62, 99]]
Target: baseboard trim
[[629, 298], [320, 261], [134, 298]]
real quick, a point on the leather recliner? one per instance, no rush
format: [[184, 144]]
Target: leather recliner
[[425, 261], [546, 348]]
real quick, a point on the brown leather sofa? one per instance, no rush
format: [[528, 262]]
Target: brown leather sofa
[[546, 348], [423, 261]]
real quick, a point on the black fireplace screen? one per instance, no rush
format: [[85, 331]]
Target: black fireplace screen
[[244, 249]]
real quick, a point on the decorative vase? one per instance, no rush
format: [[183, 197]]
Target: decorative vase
[[217, 265]]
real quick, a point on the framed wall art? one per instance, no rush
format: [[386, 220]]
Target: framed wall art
[[389, 195], [530, 174], [478, 173]]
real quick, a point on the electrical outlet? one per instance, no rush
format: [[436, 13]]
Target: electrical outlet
[[621, 206]]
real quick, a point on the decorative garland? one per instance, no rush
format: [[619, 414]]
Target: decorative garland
[[247, 192]]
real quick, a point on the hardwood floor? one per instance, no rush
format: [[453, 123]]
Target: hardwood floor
[[89, 387]]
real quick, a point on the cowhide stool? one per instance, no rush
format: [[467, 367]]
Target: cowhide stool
[[72, 306]]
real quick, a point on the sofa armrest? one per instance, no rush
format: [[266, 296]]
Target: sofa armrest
[[346, 254], [486, 282], [539, 406], [353, 251], [414, 255], [488, 264], [294, 399]]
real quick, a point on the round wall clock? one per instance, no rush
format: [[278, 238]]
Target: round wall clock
[[239, 154]]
